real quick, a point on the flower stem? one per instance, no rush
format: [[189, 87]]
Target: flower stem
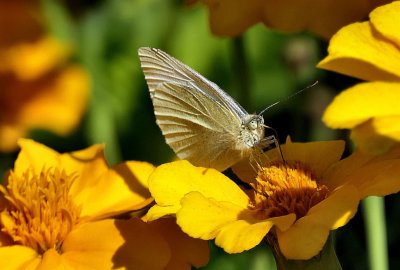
[[373, 209], [241, 72]]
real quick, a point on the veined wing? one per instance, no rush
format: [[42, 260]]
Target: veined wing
[[196, 127], [159, 67]]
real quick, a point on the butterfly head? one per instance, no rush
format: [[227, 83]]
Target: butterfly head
[[252, 130], [255, 122]]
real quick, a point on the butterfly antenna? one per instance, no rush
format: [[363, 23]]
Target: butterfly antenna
[[288, 97]]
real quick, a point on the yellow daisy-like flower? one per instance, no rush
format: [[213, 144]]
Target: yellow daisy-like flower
[[38, 88], [368, 51], [324, 18], [57, 209], [293, 205]]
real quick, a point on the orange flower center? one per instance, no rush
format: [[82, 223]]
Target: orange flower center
[[281, 189], [38, 212]]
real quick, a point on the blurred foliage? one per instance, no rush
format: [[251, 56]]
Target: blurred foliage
[[107, 34]]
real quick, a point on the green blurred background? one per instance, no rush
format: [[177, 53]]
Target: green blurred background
[[257, 69]]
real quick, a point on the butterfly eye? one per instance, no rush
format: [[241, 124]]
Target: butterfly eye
[[253, 124]]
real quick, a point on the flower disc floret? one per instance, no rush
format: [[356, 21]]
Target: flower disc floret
[[39, 212], [284, 188]]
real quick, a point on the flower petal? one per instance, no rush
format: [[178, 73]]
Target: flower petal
[[170, 182], [372, 175], [336, 175], [379, 183], [308, 235], [185, 251], [386, 20], [360, 51], [233, 227], [110, 244], [241, 16], [58, 106], [317, 155], [31, 60], [378, 135], [157, 212], [9, 135], [18, 257], [362, 102], [321, 17], [123, 188], [34, 155], [53, 261], [87, 165]]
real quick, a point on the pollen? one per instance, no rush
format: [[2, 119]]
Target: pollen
[[38, 211], [282, 189]]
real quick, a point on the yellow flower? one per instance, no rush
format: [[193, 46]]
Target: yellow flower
[[293, 205], [38, 88], [57, 209], [368, 51], [324, 18]]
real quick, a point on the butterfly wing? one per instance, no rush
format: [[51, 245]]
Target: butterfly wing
[[159, 67], [197, 127]]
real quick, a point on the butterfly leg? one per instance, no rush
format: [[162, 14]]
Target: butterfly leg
[[270, 140], [264, 145], [256, 157]]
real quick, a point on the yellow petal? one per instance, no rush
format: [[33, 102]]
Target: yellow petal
[[233, 17], [52, 260], [170, 182], [18, 257], [378, 135], [123, 188], [308, 235], [336, 210], [386, 19], [317, 155], [88, 165], [233, 227], [303, 241], [378, 176], [348, 109], [32, 60], [359, 51], [388, 126], [337, 174], [9, 135], [36, 156], [55, 102], [321, 17], [58, 105], [380, 184], [185, 251], [157, 212], [110, 244]]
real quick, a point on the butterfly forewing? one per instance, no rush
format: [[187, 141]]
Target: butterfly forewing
[[159, 67], [196, 127]]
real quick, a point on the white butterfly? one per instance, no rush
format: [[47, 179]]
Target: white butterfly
[[199, 121]]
